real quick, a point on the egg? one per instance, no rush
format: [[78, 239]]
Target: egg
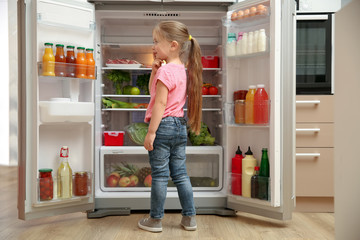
[[252, 11], [261, 9], [240, 14], [246, 13], [233, 16]]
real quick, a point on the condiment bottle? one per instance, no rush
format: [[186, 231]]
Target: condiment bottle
[[261, 105], [248, 164], [255, 183], [46, 184], [236, 169], [80, 63], [70, 61], [239, 111], [48, 60], [262, 41], [60, 61], [64, 175], [249, 105], [90, 63]]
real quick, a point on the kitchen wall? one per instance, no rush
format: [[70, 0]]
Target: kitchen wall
[[347, 122]]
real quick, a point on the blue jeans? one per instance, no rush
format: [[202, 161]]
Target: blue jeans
[[168, 159]]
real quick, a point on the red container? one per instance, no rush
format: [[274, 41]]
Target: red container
[[210, 61], [114, 138]]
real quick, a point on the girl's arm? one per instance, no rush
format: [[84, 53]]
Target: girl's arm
[[157, 114]]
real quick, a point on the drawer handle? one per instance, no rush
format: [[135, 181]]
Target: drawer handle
[[308, 102], [307, 154], [307, 129]]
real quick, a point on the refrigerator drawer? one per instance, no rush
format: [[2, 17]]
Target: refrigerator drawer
[[314, 172], [315, 108], [127, 169], [315, 135]]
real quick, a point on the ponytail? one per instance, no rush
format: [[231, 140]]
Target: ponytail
[[194, 86]]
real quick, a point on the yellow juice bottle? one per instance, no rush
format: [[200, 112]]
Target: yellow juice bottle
[[64, 175], [48, 61], [249, 105]]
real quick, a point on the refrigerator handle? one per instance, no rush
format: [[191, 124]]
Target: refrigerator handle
[[315, 130], [308, 102]]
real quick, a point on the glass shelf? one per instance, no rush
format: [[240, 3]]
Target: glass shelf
[[65, 66]]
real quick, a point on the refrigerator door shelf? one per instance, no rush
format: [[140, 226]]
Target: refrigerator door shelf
[[230, 118], [64, 67], [259, 17], [54, 111]]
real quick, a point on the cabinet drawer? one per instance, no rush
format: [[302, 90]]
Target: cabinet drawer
[[315, 172], [315, 135], [315, 108]]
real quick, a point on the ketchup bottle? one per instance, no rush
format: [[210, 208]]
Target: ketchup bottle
[[236, 169]]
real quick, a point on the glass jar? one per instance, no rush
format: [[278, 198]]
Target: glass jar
[[81, 184], [45, 184], [240, 111]]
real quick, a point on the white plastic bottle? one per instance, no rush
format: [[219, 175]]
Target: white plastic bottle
[[244, 43], [248, 165], [255, 41], [231, 45], [238, 44], [262, 41], [250, 42]]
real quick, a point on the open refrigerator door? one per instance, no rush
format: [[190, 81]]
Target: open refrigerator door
[[56, 109], [262, 55]]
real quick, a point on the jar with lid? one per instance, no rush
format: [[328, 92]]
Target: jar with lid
[[60, 61], [81, 184], [48, 60], [45, 184], [90, 63], [70, 61], [240, 111]]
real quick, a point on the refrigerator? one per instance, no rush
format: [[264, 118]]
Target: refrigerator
[[57, 111]]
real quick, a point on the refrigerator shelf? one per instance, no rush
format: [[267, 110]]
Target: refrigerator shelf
[[65, 65], [236, 198], [147, 96], [251, 55], [149, 69], [60, 201]]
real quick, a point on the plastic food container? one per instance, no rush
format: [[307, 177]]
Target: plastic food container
[[210, 61], [114, 138]]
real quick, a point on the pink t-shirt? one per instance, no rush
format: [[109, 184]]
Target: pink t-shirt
[[173, 76]]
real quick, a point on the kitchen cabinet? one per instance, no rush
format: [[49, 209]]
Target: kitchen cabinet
[[314, 153]]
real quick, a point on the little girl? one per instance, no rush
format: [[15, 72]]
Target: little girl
[[167, 135]]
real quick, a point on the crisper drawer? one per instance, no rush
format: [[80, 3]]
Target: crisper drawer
[[315, 135], [127, 169], [314, 172], [316, 108]]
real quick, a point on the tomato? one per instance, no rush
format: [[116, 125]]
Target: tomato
[[205, 91], [213, 90]]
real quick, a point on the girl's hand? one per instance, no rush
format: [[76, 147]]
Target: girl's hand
[[156, 64], [149, 141]]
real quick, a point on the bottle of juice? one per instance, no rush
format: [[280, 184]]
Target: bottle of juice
[[249, 105], [64, 175], [70, 61], [248, 164], [48, 60], [60, 61], [261, 105], [236, 169], [255, 183], [80, 63], [90, 63]]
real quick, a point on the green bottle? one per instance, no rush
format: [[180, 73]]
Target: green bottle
[[264, 165]]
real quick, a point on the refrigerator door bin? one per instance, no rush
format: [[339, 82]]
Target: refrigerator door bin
[[124, 169], [44, 185], [62, 111]]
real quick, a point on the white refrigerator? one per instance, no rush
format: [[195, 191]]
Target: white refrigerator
[[57, 111]]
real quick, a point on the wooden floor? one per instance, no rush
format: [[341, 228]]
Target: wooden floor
[[77, 226]]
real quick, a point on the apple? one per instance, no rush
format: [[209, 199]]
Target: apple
[[147, 181], [124, 182], [115, 174], [112, 181], [134, 180]]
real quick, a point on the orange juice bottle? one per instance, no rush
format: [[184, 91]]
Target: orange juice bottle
[[81, 63], [90, 63], [249, 105], [261, 105], [60, 61], [48, 60]]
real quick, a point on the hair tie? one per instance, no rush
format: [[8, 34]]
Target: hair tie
[[190, 37]]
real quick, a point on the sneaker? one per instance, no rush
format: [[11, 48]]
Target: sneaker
[[189, 223], [150, 224]]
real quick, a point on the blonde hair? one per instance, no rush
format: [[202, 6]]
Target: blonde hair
[[190, 54]]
